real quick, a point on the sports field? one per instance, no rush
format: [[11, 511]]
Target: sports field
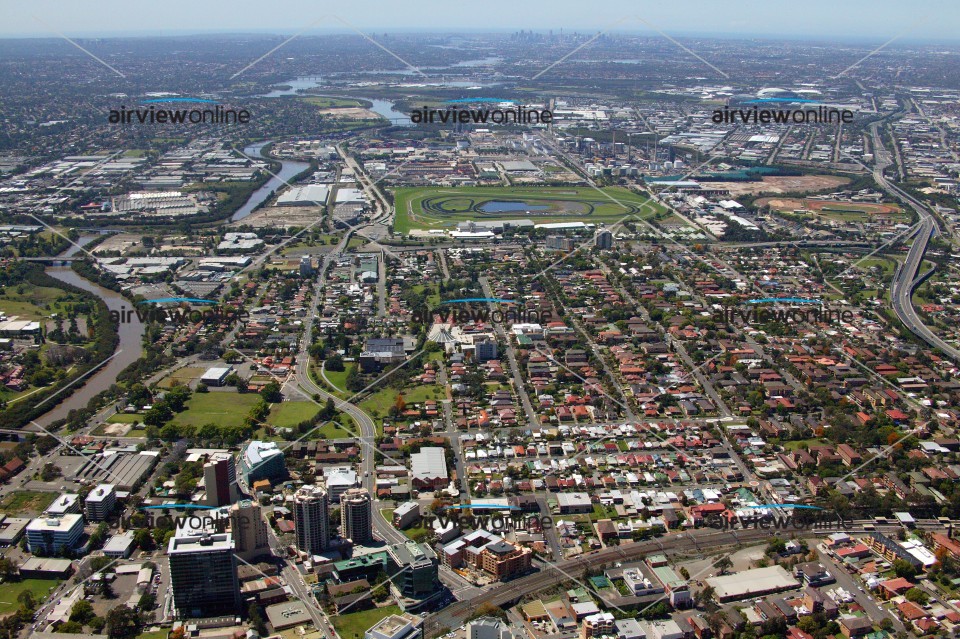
[[443, 208]]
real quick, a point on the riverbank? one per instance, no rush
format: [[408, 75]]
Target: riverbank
[[118, 346]]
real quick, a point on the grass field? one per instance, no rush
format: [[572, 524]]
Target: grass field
[[26, 501], [125, 418], [797, 444], [355, 624], [339, 378], [332, 103], [333, 430], [289, 414], [10, 591], [224, 409], [381, 401], [888, 266], [436, 208], [29, 304], [184, 376]]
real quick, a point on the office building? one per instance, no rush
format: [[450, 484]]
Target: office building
[[406, 514], [416, 578], [311, 519], [338, 481], [402, 626], [120, 546], [249, 530], [380, 352], [288, 614], [50, 535], [203, 573], [603, 240], [220, 480], [100, 502], [560, 243], [306, 266], [65, 504], [356, 516], [488, 628], [486, 350], [262, 460]]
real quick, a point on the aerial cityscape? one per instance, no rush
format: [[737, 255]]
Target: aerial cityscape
[[374, 326]]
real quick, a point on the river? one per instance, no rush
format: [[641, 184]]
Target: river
[[383, 108], [288, 169], [128, 351]]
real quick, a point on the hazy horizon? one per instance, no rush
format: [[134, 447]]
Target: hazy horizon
[[856, 20]]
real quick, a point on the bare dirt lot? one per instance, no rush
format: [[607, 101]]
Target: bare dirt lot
[[285, 216], [351, 113], [781, 184], [790, 204]]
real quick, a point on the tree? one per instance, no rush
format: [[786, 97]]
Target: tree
[[776, 545], [917, 596], [72, 627], [122, 623], [50, 472], [99, 563], [256, 620], [904, 569], [704, 595], [723, 564], [334, 364], [82, 612], [8, 570], [144, 539], [147, 602], [808, 624], [158, 415], [176, 398], [27, 599], [271, 392]]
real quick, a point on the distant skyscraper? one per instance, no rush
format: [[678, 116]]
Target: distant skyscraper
[[310, 518], [203, 574], [356, 516], [220, 480], [604, 240], [249, 530]]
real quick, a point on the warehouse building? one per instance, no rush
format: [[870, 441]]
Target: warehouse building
[[752, 583]]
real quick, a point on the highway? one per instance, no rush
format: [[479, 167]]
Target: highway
[[905, 279]]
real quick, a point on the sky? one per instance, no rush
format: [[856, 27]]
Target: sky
[[878, 20]]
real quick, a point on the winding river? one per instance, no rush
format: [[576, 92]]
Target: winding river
[[128, 350], [288, 169]]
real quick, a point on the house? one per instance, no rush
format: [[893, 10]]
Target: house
[[855, 626]]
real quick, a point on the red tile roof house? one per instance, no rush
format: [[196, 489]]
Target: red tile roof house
[[894, 587]]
